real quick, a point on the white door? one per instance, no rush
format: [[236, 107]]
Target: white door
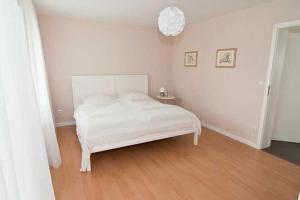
[[287, 121]]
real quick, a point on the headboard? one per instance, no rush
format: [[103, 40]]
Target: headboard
[[84, 86]]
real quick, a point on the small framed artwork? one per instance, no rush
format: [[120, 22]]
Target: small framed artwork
[[190, 59], [226, 58]]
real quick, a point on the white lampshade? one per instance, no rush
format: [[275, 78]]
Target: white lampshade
[[171, 21]]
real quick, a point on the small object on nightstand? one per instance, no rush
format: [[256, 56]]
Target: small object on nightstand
[[163, 92], [165, 99]]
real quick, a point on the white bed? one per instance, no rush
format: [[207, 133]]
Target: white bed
[[105, 123]]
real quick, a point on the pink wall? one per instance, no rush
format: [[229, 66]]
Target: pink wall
[[229, 99], [80, 47]]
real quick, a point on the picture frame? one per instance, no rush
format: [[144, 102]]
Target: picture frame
[[226, 58], [190, 59]]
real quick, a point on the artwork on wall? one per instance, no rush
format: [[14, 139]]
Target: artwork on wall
[[226, 58], [190, 59]]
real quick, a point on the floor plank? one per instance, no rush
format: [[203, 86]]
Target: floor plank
[[218, 168]]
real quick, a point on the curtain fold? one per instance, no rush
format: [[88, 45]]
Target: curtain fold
[[39, 75], [8, 184], [26, 124]]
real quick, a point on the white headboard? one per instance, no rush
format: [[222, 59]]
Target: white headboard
[[84, 86]]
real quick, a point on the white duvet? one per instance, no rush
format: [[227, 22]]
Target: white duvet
[[121, 120]]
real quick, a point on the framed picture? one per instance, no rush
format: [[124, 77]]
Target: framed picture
[[226, 58], [190, 59]]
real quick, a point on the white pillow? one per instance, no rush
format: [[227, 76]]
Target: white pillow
[[99, 99], [135, 97]]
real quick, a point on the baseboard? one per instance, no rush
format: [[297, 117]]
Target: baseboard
[[228, 134], [69, 123]]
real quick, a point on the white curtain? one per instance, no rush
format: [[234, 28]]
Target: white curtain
[[39, 75], [26, 124]]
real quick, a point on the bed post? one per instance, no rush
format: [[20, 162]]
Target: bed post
[[85, 160], [196, 136]]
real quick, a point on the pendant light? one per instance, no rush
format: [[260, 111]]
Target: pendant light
[[171, 21]]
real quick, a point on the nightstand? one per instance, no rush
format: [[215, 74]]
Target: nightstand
[[166, 99]]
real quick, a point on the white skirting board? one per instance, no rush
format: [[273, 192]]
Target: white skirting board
[[228, 134], [69, 123]]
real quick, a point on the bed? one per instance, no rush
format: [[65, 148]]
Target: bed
[[115, 111]]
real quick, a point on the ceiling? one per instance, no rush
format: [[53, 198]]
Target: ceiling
[[140, 12]]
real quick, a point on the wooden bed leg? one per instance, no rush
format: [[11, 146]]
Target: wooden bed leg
[[85, 161], [196, 138]]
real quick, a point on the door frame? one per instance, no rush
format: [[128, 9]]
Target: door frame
[[263, 117]]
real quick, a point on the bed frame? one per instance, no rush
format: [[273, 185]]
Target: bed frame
[[84, 86]]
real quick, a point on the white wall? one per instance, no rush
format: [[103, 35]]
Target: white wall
[[287, 120]]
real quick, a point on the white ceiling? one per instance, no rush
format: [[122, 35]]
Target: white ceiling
[[141, 12]]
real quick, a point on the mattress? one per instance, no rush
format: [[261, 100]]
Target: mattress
[[120, 121]]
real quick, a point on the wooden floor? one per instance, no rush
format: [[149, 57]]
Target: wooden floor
[[218, 168]]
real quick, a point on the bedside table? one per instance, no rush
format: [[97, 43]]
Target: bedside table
[[165, 100]]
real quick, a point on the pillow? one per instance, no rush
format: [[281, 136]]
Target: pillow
[[99, 99], [135, 97]]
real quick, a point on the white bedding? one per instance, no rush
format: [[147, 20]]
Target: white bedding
[[120, 120]]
